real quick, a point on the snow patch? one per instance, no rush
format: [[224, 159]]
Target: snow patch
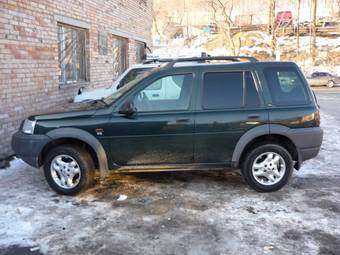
[[325, 164]]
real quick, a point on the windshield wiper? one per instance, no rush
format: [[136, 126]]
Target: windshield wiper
[[100, 100]]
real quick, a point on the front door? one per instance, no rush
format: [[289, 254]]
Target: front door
[[229, 106], [161, 129]]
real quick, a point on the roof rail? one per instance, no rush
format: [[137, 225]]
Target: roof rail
[[203, 59], [157, 60]]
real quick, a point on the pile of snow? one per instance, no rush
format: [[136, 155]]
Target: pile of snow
[[253, 43]]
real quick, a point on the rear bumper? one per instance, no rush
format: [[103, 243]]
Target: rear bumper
[[309, 153], [28, 147], [307, 140]]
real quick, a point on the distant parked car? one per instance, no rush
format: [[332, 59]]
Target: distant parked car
[[304, 24], [323, 79], [330, 24]]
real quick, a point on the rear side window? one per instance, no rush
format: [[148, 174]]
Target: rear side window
[[223, 90], [286, 86]]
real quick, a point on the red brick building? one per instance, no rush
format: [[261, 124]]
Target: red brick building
[[49, 49]]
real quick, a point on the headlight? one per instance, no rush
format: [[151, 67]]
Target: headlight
[[28, 126]]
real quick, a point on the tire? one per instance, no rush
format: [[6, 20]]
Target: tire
[[330, 84], [258, 153], [67, 154]]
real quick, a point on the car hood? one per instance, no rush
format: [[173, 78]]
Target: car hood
[[94, 94], [72, 110]]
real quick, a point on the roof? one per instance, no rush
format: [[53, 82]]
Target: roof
[[206, 61]]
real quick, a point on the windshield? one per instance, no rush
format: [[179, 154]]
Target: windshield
[[131, 75], [115, 96]]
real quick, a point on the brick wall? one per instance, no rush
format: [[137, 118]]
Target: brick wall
[[29, 66]]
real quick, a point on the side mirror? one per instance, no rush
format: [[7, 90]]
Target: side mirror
[[80, 90], [120, 84], [127, 108]]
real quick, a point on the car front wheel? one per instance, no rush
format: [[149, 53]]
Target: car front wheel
[[267, 167], [330, 84], [69, 169]]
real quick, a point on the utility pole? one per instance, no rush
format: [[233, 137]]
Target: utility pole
[[271, 15], [298, 27], [272, 23]]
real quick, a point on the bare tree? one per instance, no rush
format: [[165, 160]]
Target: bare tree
[[298, 27], [338, 2], [164, 24], [313, 29], [187, 18], [155, 22], [222, 11]]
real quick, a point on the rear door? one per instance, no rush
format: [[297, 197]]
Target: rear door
[[229, 105]]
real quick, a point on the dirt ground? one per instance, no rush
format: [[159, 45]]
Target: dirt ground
[[180, 212]]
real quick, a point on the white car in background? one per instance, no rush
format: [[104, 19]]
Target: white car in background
[[323, 79], [130, 74]]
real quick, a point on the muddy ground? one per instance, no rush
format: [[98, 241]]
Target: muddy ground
[[180, 212]]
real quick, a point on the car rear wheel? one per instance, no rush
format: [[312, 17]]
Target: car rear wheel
[[69, 169], [267, 167], [330, 84]]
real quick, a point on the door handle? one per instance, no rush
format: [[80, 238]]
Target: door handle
[[253, 116], [182, 120]]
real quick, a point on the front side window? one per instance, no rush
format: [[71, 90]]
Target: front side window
[[72, 54], [120, 55], [165, 94], [286, 86]]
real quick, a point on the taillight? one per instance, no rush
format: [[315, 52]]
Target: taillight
[[312, 118], [317, 118]]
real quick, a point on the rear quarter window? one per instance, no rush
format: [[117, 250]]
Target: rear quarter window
[[286, 86]]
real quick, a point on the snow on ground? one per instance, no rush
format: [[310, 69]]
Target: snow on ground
[[324, 164], [180, 213]]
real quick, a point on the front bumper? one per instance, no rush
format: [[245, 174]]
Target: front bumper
[[28, 147]]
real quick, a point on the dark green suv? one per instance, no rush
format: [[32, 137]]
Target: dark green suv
[[190, 114]]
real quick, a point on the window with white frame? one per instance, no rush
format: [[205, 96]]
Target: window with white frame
[[72, 54], [140, 51], [120, 55]]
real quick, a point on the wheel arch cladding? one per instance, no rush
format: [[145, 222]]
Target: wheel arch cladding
[[268, 132], [247, 138], [85, 137]]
